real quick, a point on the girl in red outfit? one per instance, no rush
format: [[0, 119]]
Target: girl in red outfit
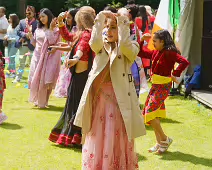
[[79, 62], [163, 60]]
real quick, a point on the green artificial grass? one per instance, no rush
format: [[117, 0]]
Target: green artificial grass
[[24, 136]]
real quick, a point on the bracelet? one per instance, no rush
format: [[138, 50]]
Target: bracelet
[[61, 24]]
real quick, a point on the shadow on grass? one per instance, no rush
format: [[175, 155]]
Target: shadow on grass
[[177, 97], [75, 149], [141, 158], [11, 126], [142, 106], [167, 120], [184, 157], [56, 108], [50, 108]]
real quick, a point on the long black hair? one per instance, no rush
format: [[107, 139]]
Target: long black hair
[[142, 13], [168, 41], [110, 8], [72, 12], [49, 14], [133, 10]]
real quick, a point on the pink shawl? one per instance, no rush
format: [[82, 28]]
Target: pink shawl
[[47, 70]]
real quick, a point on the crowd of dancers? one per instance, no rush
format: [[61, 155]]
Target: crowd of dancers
[[102, 77]]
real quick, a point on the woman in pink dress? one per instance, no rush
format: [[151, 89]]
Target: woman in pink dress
[[65, 75], [45, 65]]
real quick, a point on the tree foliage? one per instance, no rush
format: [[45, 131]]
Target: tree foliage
[[56, 6]]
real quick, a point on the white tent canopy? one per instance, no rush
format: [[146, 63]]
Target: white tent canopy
[[190, 31]]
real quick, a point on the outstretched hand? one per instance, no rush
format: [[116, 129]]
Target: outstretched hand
[[52, 50], [174, 79], [61, 16], [70, 62], [146, 37], [53, 24]]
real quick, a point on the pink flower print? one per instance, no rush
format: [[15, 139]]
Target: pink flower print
[[116, 164], [101, 118], [90, 166], [98, 165], [85, 164], [91, 156], [117, 133], [106, 156], [85, 150], [111, 115]]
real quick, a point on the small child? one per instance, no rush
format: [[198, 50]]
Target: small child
[[3, 117]]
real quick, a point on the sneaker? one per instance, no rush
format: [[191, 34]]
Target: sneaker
[[3, 117], [16, 80]]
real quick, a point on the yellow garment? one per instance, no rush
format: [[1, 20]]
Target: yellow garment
[[157, 79], [161, 113]]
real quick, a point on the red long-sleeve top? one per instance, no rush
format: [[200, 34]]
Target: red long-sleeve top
[[83, 43], [163, 61], [2, 75]]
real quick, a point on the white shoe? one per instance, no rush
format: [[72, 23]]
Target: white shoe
[[165, 145], [3, 117], [16, 80], [154, 148]]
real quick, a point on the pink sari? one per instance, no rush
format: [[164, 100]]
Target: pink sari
[[106, 146], [47, 71]]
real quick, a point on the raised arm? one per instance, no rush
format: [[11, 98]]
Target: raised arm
[[96, 41], [129, 48], [62, 48], [64, 32], [144, 52], [53, 36]]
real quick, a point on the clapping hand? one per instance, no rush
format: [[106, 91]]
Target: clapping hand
[[61, 16], [29, 34], [108, 14], [53, 24]]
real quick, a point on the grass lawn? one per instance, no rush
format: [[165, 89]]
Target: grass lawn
[[24, 136]]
